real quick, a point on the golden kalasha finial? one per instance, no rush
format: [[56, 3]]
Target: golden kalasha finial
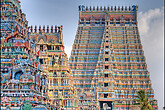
[[104, 8], [93, 8], [101, 8], [44, 28], [115, 8], [97, 8], [90, 8], [111, 8], [40, 28], [108, 8], [118, 8], [129, 8], [35, 28], [86, 8], [55, 28], [48, 29], [125, 8], [59, 29], [51, 29]]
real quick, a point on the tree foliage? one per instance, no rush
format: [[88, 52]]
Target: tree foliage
[[143, 99]]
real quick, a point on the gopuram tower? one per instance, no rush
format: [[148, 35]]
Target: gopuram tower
[[107, 59], [54, 62], [23, 84]]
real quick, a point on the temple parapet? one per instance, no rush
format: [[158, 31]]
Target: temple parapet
[[49, 29], [98, 14], [108, 8]]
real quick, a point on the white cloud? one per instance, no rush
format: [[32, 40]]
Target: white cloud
[[151, 26], [145, 18]]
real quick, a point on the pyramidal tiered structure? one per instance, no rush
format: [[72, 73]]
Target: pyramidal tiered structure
[[54, 62], [107, 59], [21, 73]]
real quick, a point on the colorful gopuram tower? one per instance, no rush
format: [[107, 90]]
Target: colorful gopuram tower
[[54, 61], [107, 59], [22, 83]]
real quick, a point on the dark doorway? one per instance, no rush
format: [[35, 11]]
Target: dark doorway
[[17, 75], [105, 105]]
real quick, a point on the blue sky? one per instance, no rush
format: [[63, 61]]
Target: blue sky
[[150, 18]]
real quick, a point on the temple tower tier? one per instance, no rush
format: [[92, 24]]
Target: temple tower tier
[[54, 62]]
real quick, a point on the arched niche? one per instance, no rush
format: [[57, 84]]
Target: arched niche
[[17, 75]]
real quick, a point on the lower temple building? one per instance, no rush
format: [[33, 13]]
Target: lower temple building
[[107, 59], [54, 61]]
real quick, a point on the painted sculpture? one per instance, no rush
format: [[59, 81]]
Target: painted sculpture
[[21, 73]]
